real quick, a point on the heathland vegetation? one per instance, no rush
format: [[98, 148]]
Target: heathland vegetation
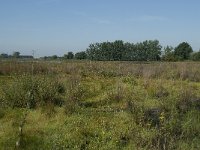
[[100, 104]]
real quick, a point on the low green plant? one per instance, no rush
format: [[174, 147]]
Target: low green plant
[[102, 105], [28, 92], [2, 113], [75, 93]]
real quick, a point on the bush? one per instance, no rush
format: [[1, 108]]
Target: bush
[[195, 56], [28, 92], [75, 93]]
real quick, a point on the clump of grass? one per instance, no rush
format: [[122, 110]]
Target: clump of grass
[[108, 73], [50, 90], [75, 93], [16, 93], [157, 90], [117, 94], [130, 80], [21, 131], [152, 116], [188, 99]]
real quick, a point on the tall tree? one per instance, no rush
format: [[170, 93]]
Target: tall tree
[[168, 54], [118, 50], [16, 54], [81, 55], [195, 56], [154, 50], [3, 55], [69, 55], [183, 51], [54, 57]]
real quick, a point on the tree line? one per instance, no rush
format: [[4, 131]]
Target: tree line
[[118, 50], [16, 55], [149, 50]]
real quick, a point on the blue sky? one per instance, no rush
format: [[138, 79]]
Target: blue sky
[[58, 26]]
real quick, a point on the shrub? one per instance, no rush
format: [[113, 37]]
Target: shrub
[[117, 94], [152, 116], [50, 90], [130, 80], [28, 92], [188, 100], [75, 94]]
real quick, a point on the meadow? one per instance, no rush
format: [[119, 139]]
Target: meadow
[[104, 105]]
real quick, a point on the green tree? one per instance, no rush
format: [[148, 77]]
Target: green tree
[[154, 50], [92, 51], [149, 50], [16, 54], [81, 55], [169, 54], [129, 53], [183, 51], [118, 50], [54, 57], [106, 51], [195, 56], [3, 55], [69, 55]]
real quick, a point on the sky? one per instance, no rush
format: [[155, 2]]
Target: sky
[[54, 27]]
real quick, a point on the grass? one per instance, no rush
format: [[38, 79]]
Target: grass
[[105, 105]]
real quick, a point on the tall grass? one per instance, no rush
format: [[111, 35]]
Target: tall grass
[[101, 105]]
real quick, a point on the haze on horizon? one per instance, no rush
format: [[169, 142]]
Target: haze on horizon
[[57, 26]]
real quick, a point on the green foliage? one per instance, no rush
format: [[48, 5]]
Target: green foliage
[[16, 54], [195, 56], [80, 55], [151, 50], [54, 57], [2, 113], [169, 54], [28, 92], [3, 55], [183, 51], [118, 50], [114, 105], [69, 55], [130, 80], [74, 94]]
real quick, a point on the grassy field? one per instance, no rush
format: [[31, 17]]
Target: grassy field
[[99, 105]]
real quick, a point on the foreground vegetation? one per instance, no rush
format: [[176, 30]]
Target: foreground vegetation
[[99, 105]]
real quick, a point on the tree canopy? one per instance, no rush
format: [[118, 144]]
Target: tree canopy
[[69, 55], [183, 51], [195, 56], [118, 50], [81, 55]]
